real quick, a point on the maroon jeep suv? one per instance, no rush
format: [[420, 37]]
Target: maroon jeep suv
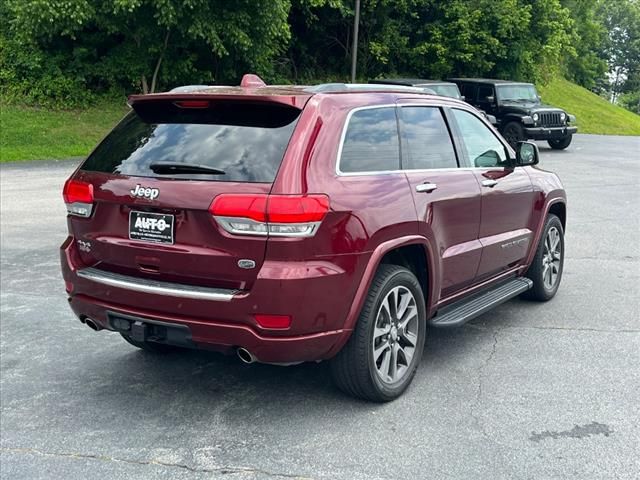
[[291, 224]]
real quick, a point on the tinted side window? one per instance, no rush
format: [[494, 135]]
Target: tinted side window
[[428, 142], [484, 92], [469, 91], [371, 142], [482, 146]]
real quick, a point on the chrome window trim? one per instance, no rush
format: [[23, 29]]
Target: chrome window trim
[[156, 287], [340, 173], [343, 135]]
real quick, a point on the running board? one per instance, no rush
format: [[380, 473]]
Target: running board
[[462, 311]]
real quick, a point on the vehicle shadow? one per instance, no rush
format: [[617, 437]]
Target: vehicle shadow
[[191, 386], [207, 376]]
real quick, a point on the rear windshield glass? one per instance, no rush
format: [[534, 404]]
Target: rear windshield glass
[[245, 141]]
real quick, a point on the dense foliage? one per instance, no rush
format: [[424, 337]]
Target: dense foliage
[[64, 52]]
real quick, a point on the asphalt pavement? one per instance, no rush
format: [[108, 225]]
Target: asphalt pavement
[[527, 391]]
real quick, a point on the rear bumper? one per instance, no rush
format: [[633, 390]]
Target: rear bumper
[[298, 289], [221, 337], [549, 133]]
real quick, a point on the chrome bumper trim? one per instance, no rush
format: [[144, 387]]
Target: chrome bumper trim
[[155, 287]]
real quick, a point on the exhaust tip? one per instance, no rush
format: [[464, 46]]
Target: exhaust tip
[[245, 355], [91, 324]]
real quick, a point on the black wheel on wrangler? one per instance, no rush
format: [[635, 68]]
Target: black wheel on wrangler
[[546, 269], [561, 143], [384, 350], [513, 133], [152, 347]]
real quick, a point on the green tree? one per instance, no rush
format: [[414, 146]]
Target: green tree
[[588, 66], [145, 42], [522, 39], [622, 21]]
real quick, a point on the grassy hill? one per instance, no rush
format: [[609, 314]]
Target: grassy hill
[[594, 114], [37, 134]]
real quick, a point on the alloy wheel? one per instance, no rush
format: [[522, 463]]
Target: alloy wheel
[[551, 258], [395, 335]]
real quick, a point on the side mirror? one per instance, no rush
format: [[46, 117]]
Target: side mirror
[[463, 98], [492, 120], [527, 154], [490, 99]]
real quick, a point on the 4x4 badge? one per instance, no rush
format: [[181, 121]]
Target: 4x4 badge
[[145, 192]]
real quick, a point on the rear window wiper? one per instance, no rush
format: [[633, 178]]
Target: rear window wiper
[[167, 168]]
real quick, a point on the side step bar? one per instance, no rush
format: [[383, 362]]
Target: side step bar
[[462, 311]]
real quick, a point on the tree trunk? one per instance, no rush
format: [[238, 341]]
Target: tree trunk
[[159, 62], [145, 87]]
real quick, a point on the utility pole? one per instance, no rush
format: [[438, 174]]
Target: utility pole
[[354, 49]]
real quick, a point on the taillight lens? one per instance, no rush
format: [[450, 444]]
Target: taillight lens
[[79, 197], [276, 215]]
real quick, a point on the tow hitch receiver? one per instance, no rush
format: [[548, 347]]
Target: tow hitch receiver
[[145, 330], [139, 331]]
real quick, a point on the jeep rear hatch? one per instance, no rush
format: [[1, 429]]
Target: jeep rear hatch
[[145, 192]]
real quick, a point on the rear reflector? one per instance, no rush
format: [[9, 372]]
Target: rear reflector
[[273, 321], [79, 198], [276, 215]]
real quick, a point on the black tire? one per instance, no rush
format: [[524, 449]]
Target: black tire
[[513, 133], [354, 369], [151, 347], [540, 290], [561, 143]]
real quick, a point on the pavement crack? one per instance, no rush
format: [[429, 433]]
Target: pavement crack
[[479, 393], [225, 470]]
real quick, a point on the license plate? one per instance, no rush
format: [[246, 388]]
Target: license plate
[[151, 227]]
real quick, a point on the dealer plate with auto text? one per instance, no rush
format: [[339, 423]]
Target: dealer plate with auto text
[[151, 227]]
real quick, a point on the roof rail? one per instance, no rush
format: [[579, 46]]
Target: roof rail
[[366, 87]]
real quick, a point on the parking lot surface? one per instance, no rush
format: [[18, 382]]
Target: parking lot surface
[[527, 391]]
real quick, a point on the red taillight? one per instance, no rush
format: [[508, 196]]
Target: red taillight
[[246, 206], [273, 321], [77, 192], [79, 198], [192, 103], [297, 209], [278, 215]]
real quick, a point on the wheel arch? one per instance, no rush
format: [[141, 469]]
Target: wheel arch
[[559, 209], [556, 206], [411, 252], [510, 117]]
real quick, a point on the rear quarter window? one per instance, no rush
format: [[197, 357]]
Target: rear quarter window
[[246, 141], [371, 142]]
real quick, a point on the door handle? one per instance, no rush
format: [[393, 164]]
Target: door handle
[[489, 183], [426, 187]]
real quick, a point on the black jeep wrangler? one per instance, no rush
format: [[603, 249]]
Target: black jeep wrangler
[[519, 111]]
